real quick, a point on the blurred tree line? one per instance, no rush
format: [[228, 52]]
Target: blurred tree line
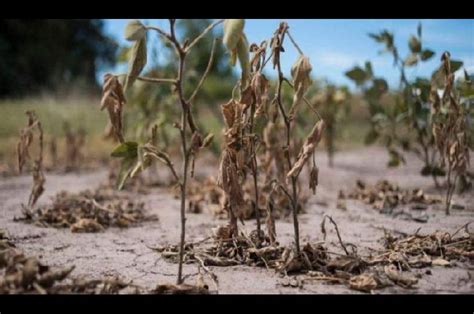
[[46, 54]]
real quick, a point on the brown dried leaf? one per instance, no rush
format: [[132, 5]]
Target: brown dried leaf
[[398, 278], [364, 282], [86, 225], [309, 145], [113, 99]]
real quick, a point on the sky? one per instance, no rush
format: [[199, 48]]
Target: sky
[[334, 46]]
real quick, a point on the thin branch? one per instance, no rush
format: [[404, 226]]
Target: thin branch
[[286, 192], [197, 39], [337, 232], [169, 164], [151, 79], [294, 42], [159, 31], [305, 100], [204, 76]]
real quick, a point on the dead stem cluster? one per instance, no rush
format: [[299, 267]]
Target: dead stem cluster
[[395, 264], [89, 211]]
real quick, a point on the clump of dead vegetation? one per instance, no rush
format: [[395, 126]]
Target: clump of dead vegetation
[[89, 211], [395, 264], [22, 274], [385, 194]]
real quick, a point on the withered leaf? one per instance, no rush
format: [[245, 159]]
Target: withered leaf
[[113, 99], [309, 145]]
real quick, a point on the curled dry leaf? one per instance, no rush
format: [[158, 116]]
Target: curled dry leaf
[[180, 289], [113, 99], [300, 73], [313, 178], [398, 278], [309, 145], [364, 282], [260, 86]]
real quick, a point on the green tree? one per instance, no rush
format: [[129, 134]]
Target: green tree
[[43, 54]]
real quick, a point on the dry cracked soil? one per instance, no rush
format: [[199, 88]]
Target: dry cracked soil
[[126, 252]]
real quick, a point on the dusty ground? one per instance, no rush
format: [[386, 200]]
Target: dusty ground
[[125, 252]]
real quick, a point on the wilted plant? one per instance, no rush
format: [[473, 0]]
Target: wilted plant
[[333, 104], [137, 157], [26, 139], [410, 107], [74, 143], [450, 131], [241, 149]]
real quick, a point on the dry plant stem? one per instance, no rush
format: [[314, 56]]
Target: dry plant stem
[[294, 198], [186, 118], [255, 170], [208, 29], [203, 78], [450, 189], [337, 232]]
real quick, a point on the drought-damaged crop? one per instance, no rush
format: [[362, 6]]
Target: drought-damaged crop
[[242, 139], [332, 103], [89, 211], [23, 153], [449, 118], [137, 157], [409, 107]]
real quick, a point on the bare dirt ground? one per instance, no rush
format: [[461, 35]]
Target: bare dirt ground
[[126, 252]]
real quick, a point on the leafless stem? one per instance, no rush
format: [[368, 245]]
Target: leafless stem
[[208, 29], [204, 76], [294, 42], [337, 232], [294, 197]]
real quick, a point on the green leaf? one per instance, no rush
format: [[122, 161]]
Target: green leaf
[[411, 60], [371, 137], [125, 150], [395, 159], [467, 78], [432, 171], [381, 85], [414, 44], [137, 61], [126, 168], [358, 75], [427, 54], [368, 69], [123, 54], [135, 30], [455, 65]]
